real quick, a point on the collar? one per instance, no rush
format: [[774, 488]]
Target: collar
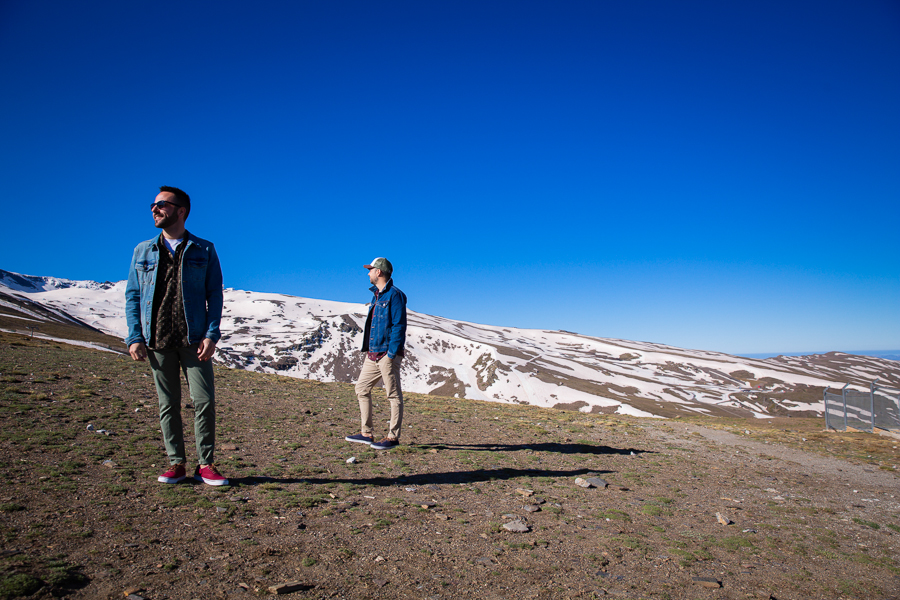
[[159, 239], [387, 286]]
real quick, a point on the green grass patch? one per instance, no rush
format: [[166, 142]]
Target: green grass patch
[[866, 523], [17, 585]]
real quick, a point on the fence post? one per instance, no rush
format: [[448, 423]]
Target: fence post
[[872, 401], [844, 398], [898, 407]]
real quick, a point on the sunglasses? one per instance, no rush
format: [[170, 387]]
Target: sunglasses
[[160, 204]]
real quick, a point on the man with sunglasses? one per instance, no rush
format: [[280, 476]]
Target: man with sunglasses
[[173, 306]]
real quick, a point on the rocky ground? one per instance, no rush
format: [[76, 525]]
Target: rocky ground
[[480, 501]]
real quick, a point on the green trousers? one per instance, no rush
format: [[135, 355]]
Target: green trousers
[[166, 365]]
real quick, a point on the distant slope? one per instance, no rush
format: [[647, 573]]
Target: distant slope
[[318, 339], [22, 314]]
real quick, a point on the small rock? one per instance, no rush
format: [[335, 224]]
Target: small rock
[[709, 582], [531, 508], [484, 561], [220, 509], [516, 527], [723, 519], [110, 464], [525, 492], [582, 482], [512, 516], [132, 590], [379, 582], [410, 489], [351, 460], [229, 447], [427, 504], [379, 559], [597, 482], [137, 410], [134, 597], [286, 588], [90, 427]]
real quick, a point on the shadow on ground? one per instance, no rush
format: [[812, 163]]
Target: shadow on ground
[[559, 448], [448, 477]]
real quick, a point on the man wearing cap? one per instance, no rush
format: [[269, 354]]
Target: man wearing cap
[[173, 306], [383, 342]]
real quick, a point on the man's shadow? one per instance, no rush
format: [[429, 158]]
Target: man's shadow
[[468, 476], [556, 447]]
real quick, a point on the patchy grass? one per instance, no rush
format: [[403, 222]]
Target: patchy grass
[[296, 509]]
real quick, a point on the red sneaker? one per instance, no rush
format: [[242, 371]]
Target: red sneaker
[[173, 475], [209, 475]]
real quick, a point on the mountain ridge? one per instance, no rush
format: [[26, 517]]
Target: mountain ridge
[[320, 339]]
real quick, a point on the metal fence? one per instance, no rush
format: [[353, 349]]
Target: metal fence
[[864, 411]]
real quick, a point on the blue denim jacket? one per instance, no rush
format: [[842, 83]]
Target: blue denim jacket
[[201, 289], [386, 323]]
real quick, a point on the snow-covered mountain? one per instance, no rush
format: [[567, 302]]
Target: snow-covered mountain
[[319, 339]]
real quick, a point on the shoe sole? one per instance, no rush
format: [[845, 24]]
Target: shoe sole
[[377, 447], [212, 481], [347, 439], [162, 479]]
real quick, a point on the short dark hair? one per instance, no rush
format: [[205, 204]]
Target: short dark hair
[[181, 196]]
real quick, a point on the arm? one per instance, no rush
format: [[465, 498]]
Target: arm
[[133, 307], [214, 298], [398, 323]]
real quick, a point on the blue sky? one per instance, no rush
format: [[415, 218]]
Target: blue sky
[[712, 175]]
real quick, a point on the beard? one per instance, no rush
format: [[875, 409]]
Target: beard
[[166, 221]]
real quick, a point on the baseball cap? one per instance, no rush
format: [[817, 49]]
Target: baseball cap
[[382, 264]]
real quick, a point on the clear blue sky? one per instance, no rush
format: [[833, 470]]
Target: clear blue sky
[[707, 174]]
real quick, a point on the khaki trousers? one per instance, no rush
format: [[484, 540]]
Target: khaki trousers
[[387, 370]]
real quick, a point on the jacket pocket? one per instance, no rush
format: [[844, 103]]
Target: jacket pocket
[[194, 268], [145, 270]]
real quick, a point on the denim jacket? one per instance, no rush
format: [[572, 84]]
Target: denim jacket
[[386, 323], [201, 289]]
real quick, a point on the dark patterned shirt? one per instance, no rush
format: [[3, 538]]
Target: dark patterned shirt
[[169, 327]]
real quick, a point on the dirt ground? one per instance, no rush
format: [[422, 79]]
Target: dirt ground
[[706, 508]]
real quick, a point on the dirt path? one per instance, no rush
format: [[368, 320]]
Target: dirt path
[[843, 472]]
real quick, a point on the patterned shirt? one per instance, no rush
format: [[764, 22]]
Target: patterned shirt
[[169, 327]]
